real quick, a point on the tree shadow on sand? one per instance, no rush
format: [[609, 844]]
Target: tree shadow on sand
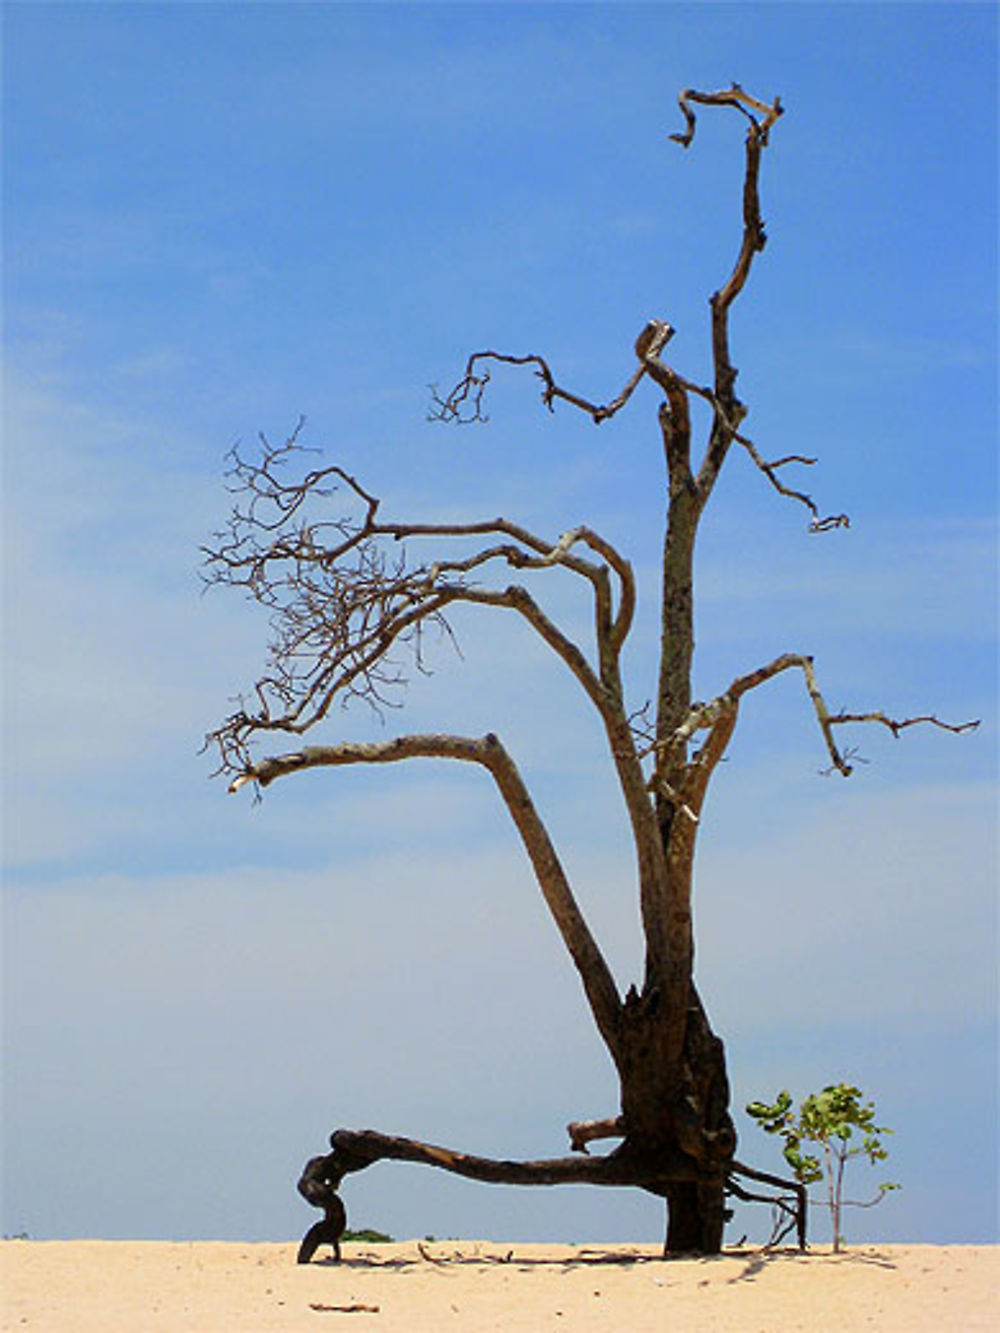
[[758, 1260], [754, 1261]]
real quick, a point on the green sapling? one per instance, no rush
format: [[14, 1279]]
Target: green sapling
[[830, 1119]]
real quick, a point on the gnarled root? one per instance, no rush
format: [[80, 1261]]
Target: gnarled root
[[318, 1186]]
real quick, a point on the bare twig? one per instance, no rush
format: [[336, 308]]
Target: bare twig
[[794, 1188], [708, 716], [819, 523], [464, 403]]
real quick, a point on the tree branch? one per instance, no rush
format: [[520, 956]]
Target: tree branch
[[801, 1210], [676, 426], [339, 613], [612, 624], [342, 603], [464, 403], [353, 1150], [582, 1132], [770, 471], [735, 97], [753, 242], [722, 712], [599, 985]]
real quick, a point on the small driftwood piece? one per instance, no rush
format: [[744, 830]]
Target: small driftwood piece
[[354, 1308]]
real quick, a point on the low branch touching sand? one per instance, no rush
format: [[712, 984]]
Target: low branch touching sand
[[355, 1150]]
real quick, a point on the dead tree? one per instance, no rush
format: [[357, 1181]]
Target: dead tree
[[351, 599]]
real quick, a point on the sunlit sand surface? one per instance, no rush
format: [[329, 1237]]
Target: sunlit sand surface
[[474, 1286]]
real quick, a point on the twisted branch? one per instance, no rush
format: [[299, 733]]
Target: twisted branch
[[353, 1150], [734, 97], [463, 404]]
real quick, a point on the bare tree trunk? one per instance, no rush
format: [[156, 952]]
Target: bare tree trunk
[[344, 600]]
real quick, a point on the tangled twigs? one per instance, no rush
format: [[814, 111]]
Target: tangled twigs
[[350, 606]]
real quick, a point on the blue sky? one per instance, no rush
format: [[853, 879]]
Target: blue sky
[[217, 217]]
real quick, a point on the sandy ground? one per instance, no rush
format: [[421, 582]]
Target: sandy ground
[[471, 1287]]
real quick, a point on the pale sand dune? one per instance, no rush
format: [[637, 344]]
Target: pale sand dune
[[472, 1287]]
